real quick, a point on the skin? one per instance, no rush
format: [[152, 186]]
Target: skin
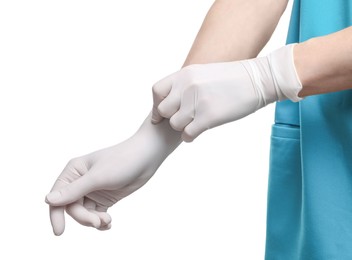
[[235, 30], [324, 64], [227, 34]]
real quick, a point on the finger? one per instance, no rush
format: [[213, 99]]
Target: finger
[[83, 216], [171, 104], [67, 176], [89, 204], [100, 211], [166, 98], [160, 90], [105, 218], [57, 219], [186, 113], [107, 227], [57, 214], [74, 169], [71, 192], [192, 131]]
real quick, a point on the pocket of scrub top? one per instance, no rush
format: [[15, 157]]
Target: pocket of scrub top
[[285, 156], [284, 193]]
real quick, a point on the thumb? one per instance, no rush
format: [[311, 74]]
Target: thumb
[[71, 192]]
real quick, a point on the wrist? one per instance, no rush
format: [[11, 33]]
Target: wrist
[[160, 137], [284, 73], [307, 67]]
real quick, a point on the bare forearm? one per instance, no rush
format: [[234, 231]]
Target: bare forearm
[[235, 30], [324, 64], [232, 30]]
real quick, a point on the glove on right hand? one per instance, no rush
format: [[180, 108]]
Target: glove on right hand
[[200, 97]]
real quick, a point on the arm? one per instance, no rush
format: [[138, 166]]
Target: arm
[[232, 30], [90, 184], [201, 97], [235, 30], [324, 64]]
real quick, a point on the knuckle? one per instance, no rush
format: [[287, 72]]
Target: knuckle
[[188, 135], [162, 111], [77, 166], [187, 138], [163, 87], [175, 124], [192, 131], [73, 162], [156, 89]]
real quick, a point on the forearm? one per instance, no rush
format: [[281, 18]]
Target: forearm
[[232, 30], [324, 64], [161, 138], [235, 30]]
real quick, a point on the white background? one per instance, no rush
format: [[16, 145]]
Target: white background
[[76, 76]]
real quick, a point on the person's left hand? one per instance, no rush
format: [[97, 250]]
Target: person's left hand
[[89, 185]]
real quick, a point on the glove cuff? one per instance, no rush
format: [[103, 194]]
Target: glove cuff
[[286, 80]]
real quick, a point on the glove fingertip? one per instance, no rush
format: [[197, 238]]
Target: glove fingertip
[[191, 132], [53, 198], [156, 119], [58, 231], [187, 138], [96, 222], [57, 219]]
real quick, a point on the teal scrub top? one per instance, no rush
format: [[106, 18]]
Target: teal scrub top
[[309, 212]]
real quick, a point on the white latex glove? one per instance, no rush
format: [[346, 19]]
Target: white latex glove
[[90, 184], [200, 97]]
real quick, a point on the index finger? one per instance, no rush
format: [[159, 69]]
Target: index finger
[[161, 90]]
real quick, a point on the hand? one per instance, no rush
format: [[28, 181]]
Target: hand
[[200, 97], [90, 184]]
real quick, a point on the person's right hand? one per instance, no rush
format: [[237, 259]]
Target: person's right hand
[[90, 184], [203, 96]]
